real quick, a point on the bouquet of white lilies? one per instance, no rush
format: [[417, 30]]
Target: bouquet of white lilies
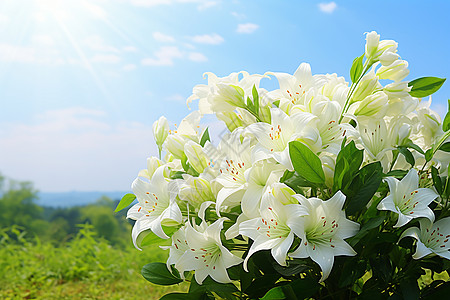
[[318, 189]]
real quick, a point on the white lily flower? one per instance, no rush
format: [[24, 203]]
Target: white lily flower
[[376, 139], [431, 238], [188, 130], [156, 206], [323, 230], [396, 71], [195, 190], [274, 138], [407, 200], [206, 254], [196, 156], [293, 88], [235, 160], [271, 230], [178, 248], [261, 175], [225, 94]]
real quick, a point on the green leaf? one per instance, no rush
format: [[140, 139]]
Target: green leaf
[[436, 180], [205, 137], [293, 267], [180, 296], [303, 288], [306, 163], [446, 123], [276, 103], [357, 68], [366, 227], [125, 201], [425, 86], [408, 155], [364, 187], [411, 145], [158, 273], [348, 162], [445, 147], [255, 99], [224, 290], [184, 163], [276, 293], [429, 154], [150, 238], [396, 173]]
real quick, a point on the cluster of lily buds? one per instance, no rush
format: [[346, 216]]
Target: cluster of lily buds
[[192, 191]]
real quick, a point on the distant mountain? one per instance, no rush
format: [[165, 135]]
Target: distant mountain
[[69, 199]]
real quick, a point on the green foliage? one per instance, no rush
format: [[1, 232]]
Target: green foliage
[[205, 137], [446, 122], [86, 267], [306, 162], [425, 86], [126, 200], [357, 68], [158, 273]]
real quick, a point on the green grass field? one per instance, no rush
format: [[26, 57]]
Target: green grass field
[[86, 267]]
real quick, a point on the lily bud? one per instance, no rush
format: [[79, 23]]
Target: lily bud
[[160, 131], [372, 40], [196, 190], [396, 71], [196, 156], [231, 119], [399, 89], [152, 164], [227, 98], [383, 51], [175, 145], [388, 58], [372, 104], [365, 87], [283, 193]]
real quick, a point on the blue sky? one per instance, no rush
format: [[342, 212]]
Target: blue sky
[[83, 81]]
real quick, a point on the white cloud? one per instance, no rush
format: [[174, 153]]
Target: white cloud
[[163, 57], [95, 10], [161, 37], [212, 39], [129, 67], [247, 28], [237, 15], [207, 4], [13, 53], [327, 7], [202, 4], [129, 49], [75, 149], [197, 57], [43, 40], [30, 55], [96, 43], [105, 58], [149, 3]]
